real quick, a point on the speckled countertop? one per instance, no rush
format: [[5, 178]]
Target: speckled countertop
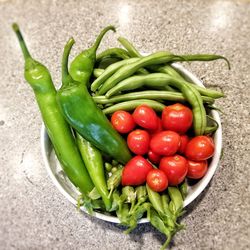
[[33, 214]]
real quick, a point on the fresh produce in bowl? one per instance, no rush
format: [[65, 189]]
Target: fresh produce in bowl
[[125, 133]]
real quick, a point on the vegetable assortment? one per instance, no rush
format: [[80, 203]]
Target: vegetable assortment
[[128, 130]]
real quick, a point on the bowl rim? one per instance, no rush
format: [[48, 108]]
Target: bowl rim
[[202, 183]]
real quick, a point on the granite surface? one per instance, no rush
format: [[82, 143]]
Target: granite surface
[[33, 214]]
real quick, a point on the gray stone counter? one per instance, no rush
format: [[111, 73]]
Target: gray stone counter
[[33, 214]]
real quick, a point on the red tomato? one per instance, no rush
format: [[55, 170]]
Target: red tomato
[[145, 117], [183, 144], [159, 127], [177, 117], [175, 168], [138, 141], [157, 180], [165, 143], [196, 169], [153, 157], [122, 121], [200, 148], [135, 171]]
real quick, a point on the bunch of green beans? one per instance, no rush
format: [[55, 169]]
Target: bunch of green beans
[[151, 80]]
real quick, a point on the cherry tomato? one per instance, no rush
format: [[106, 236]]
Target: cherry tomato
[[200, 148], [159, 127], [196, 169], [135, 171], [177, 117], [153, 157], [175, 167], [165, 143], [145, 117], [183, 144], [138, 141], [157, 180], [122, 121]]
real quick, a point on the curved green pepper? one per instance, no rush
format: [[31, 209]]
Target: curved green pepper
[[39, 78], [86, 118], [82, 66], [94, 163]]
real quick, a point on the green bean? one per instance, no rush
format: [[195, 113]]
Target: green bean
[[131, 105], [109, 71], [168, 69], [148, 94], [161, 79], [132, 51], [97, 72], [113, 52], [130, 69], [107, 61]]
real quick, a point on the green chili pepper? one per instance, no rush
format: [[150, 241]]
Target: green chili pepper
[[131, 105], [94, 164], [147, 94], [87, 119], [109, 71], [38, 76], [82, 66]]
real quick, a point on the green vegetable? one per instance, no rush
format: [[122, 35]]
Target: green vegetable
[[114, 181], [82, 66], [113, 52], [155, 199], [109, 71], [147, 94], [94, 163], [153, 59], [86, 118], [131, 105], [97, 72], [176, 203], [158, 223], [38, 76]]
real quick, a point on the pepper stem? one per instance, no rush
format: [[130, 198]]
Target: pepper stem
[[22, 43], [65, 59], [101, 35]]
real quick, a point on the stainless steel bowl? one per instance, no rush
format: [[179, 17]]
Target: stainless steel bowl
[[64, 185]]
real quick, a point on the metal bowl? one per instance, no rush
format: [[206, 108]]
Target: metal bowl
[[64, 185]]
